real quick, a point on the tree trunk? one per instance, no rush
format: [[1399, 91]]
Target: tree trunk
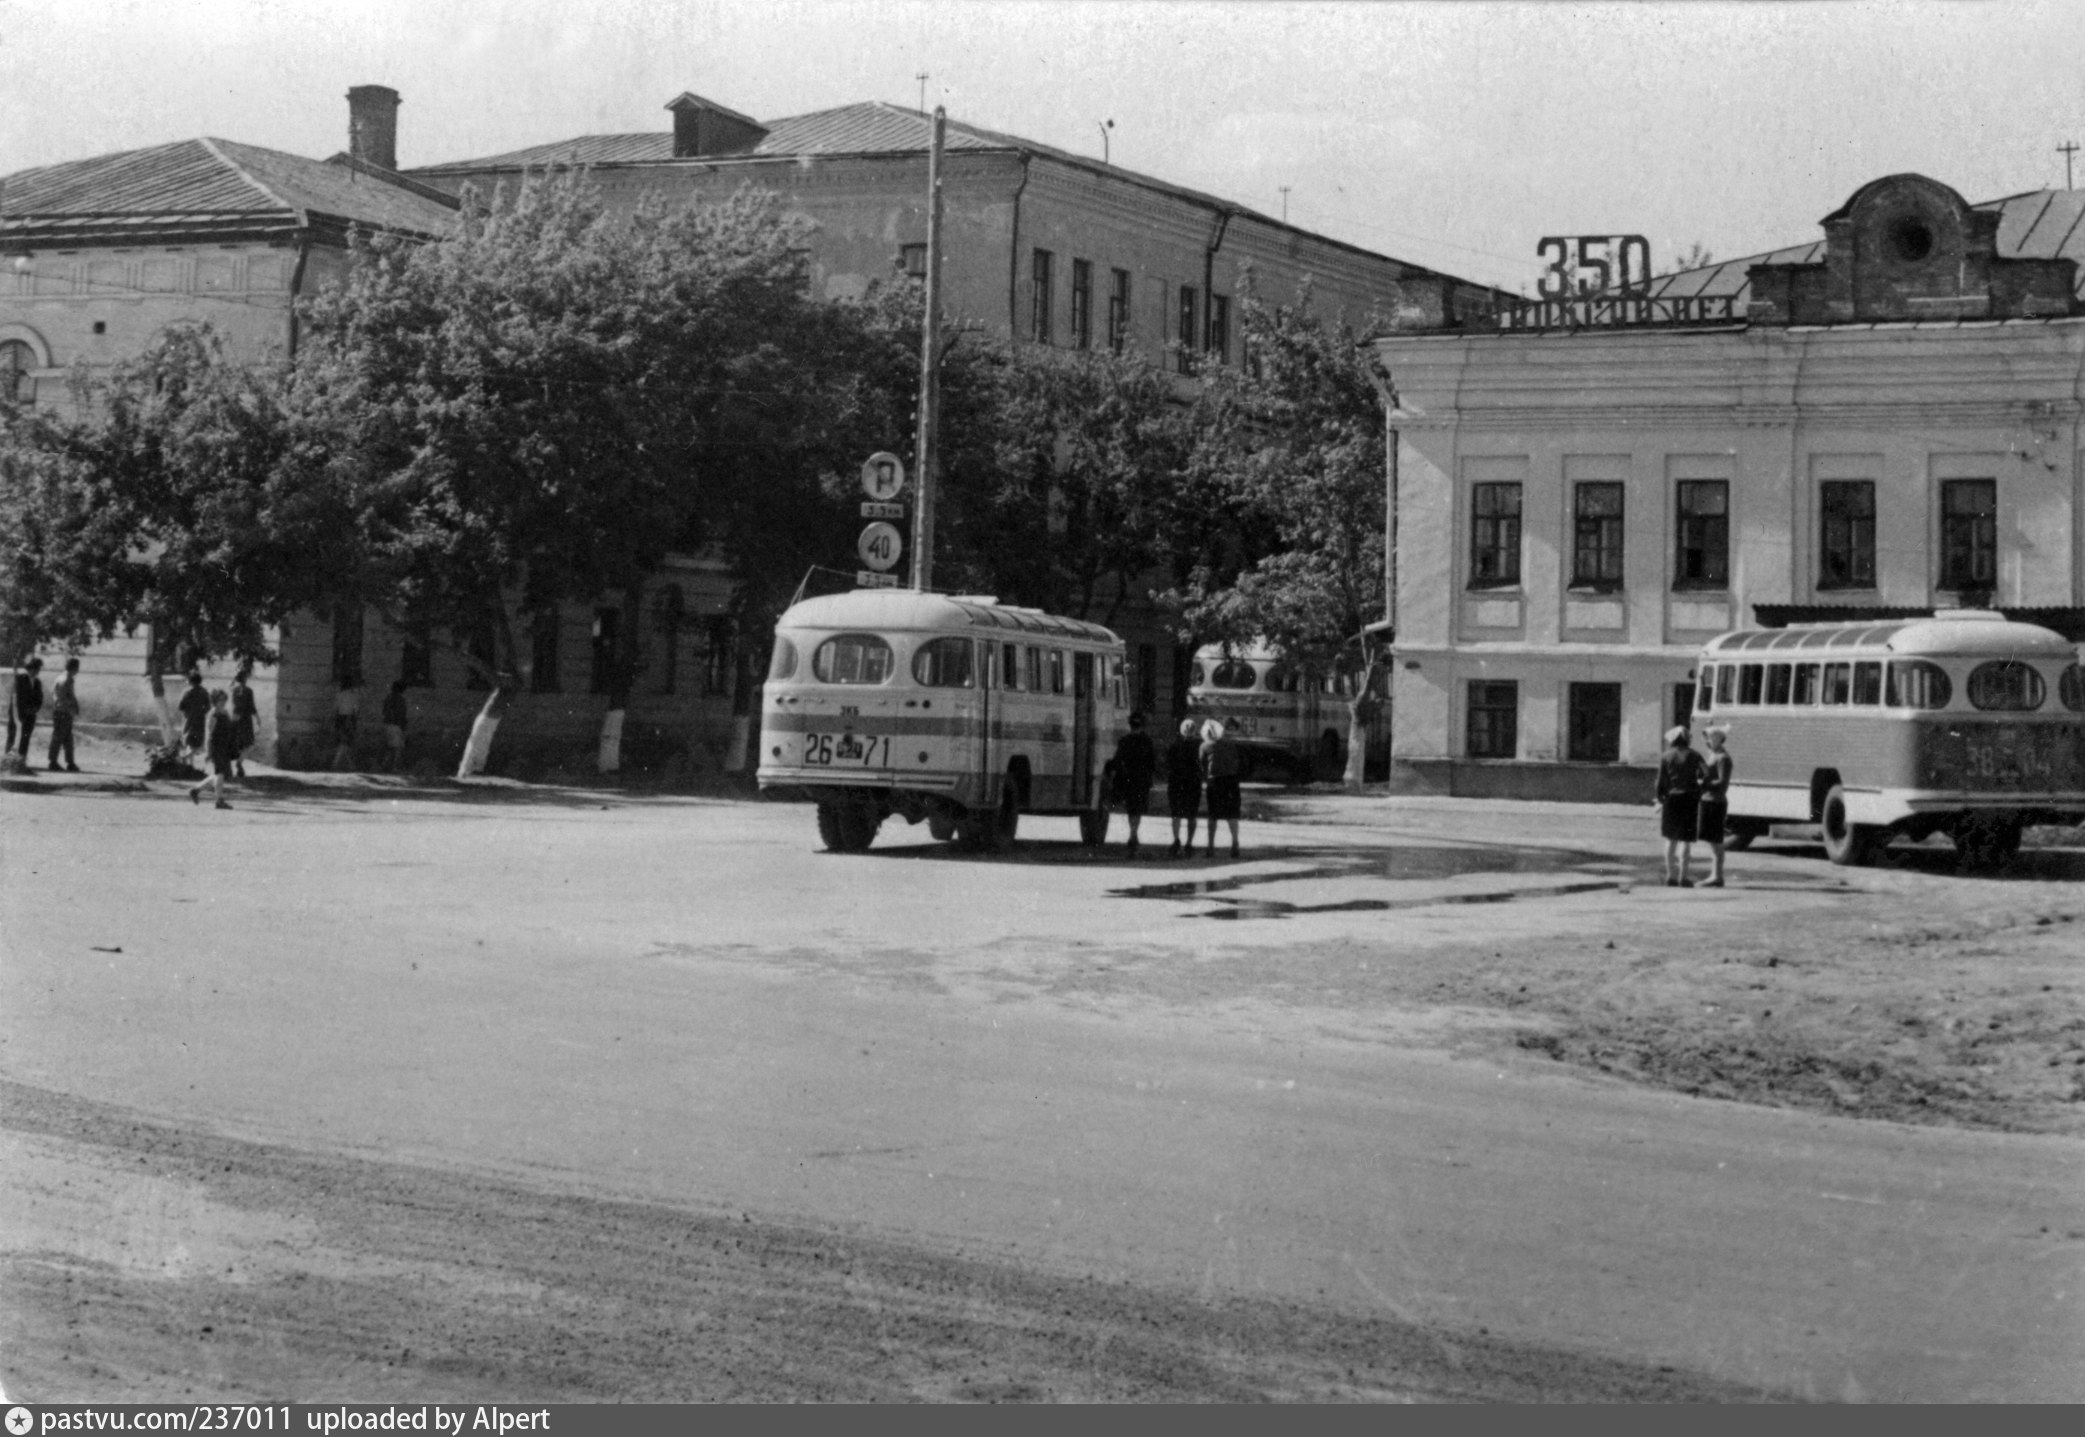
[[622, 677], [742, 689], [1360, 713], [156, 682], [505, 684]]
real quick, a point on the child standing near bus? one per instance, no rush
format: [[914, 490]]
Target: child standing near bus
[[1680, 777], [1717, 767]]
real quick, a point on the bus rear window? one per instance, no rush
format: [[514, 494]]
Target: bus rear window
[[1867, 682], [1916, 684], [2071, 689], [1750, 679], [1233, 674], [1777, 683], [1802, 685], [853, 659], [1838, 684], [2007, 686], [944, 664], [783, 665]]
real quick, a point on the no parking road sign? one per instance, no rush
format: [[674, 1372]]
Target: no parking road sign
[[883, 476]]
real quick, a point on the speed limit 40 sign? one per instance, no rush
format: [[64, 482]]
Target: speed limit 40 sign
[[880, 545]]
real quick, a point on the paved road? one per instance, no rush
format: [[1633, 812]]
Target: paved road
[[685, 1001]]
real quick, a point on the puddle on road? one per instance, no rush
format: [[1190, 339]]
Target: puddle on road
[[1406, 864]]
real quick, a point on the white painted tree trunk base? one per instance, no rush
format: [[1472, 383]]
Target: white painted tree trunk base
[[610, 759], [479, 746], [169, 731]]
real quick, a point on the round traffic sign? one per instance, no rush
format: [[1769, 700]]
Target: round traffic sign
[[880, 545], [883, 475]]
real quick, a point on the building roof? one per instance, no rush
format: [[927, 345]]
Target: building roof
[[210, 186], [871, 127], [2039, 224]]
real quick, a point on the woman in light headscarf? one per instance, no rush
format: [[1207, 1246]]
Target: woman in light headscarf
[[1184, 782], [1221, 767]]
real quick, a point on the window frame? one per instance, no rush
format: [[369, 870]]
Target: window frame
[[1497, 701], [1701, 538], [1081, 303], [1041, 295], [1489, 534], [1845, 536], [1188, 338], [1583, 743], [1598, 540], [1968, 536], [1218, 328], [1118, 310]]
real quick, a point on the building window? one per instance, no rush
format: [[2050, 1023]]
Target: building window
[[1703, 560], [607, 654], [416, 659], [543, 639], [1494, 719], [1081, 304], [1596, 723], [717, 657], [1186, 336], [16, 384], [1220, 327], [1969, 534], [1118, 311], [912, 260], [1847, 554], [1039, 298], [1597, 547], [1494, 535]]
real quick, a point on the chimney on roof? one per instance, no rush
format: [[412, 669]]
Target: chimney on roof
[[373, 125], [703, 127]]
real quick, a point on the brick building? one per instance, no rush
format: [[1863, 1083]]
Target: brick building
[[1882, 420]]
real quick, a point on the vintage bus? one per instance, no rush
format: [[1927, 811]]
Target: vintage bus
[[953, 709], [1965, 723], [1286, 722]]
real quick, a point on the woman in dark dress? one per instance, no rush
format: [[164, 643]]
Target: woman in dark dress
[[1184, 782], [1680, 778], [1717, 767]]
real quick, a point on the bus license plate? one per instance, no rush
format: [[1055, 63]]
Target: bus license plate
[[853, 750], [1994, 757]]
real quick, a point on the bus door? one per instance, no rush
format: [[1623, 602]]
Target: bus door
[[1084, 692]]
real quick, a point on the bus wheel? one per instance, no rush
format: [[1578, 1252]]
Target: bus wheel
[[1846, 843], [847, 828]]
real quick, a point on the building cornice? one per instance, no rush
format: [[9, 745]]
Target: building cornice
[[1873, 413]]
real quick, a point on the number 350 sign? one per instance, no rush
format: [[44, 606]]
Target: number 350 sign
[[1580, 265]]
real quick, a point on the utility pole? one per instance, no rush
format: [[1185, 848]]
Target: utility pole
[[929, 370], [1284, 204], [2067, 149]]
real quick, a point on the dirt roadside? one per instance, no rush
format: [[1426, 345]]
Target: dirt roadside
[[151, 1262]]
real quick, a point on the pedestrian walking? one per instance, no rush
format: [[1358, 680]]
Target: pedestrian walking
[[219, 747], [246, 718], [1136, 762], [1184, 782], [1220, 777], [394, 726], [65, 707], [1717, 767], [347, 722], [1681, 774], [28, 703], [195, 715]]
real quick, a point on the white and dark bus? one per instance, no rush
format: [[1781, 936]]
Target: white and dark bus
[[1965, 723], [1287, 722], [952, 709]]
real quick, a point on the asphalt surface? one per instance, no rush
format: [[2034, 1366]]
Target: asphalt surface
[[684, 1002]]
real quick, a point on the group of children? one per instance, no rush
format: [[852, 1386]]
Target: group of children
[[1693, 803], [217, 729], [1203, 771]]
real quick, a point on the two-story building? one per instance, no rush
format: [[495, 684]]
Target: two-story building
[[1885, 420]]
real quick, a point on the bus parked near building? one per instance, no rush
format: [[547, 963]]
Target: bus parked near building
[[956, 710], [1965, 723], [1286, 722]]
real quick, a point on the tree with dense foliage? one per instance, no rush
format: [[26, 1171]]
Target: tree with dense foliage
[[171, 503], [1295, 438]]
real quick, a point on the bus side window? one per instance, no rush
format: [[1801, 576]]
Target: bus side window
[[1032, 676], [1726, 683], [1838, 683], [1802, 687], [1867, 682], [1777, 683], [1117, 679], [1749, 680], [1056, 671], [1916, 684], [1010, 666], [1706, 699]]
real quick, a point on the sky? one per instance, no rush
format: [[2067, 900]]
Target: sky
[[1453, 135]]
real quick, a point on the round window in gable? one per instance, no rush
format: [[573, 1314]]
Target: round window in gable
[[1910, 239]]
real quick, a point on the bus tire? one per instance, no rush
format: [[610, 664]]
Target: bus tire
[[847, 828], [1846, 843]]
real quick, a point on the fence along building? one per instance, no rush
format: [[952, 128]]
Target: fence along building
[[1883, 421]]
